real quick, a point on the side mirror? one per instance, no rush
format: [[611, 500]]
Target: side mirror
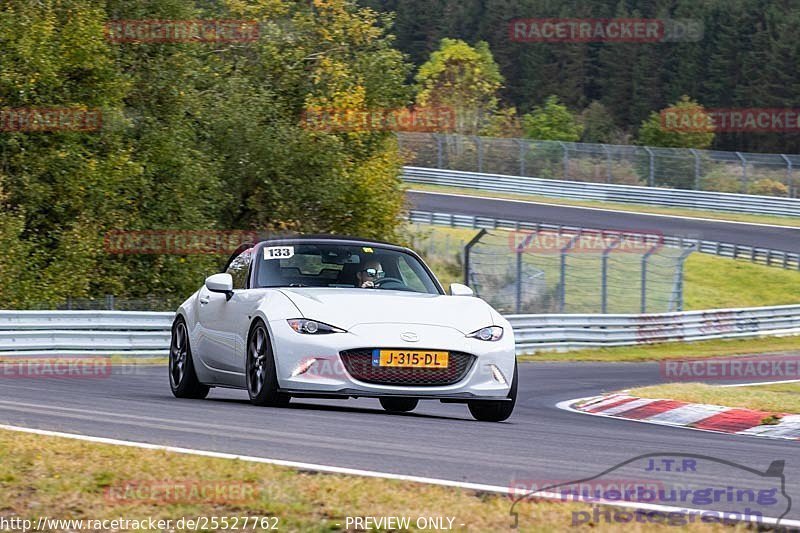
[[220, 283], [458, 289]]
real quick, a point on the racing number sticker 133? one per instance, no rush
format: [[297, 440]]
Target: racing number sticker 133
[[278, 252]]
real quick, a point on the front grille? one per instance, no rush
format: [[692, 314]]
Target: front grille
[[359, 365]]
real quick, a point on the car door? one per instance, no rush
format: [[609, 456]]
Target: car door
[[220, 319]]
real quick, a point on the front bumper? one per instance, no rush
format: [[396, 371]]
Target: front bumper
[[327, 375]]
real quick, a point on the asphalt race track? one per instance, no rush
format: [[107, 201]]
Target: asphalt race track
[[775, 238], [437, 440]]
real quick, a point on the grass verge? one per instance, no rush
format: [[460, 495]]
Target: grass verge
[[716, 283], [673, 350], [639, 208], [778, 398], [69, 479]]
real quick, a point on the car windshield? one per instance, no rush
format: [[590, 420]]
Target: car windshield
[[336, 265]]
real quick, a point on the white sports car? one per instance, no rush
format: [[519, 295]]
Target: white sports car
[[330, 317]]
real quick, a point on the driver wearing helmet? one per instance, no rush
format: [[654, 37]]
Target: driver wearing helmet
[[370, 274]]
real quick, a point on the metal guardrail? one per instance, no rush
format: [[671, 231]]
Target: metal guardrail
[[765, 256], [627, 194], [568, 332], [651, 166], [68, 333], [136, 334]]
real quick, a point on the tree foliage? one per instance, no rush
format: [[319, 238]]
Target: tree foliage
[[195, 136], [689, 131], [552, 122], [745, 56], [463, 78]]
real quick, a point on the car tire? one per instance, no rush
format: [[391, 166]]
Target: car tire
[[260, 372], [399, 405], [496, 411], [182, 376]]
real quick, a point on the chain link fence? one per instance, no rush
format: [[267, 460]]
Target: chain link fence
[[584, 271], [678, 168], [568, 270]]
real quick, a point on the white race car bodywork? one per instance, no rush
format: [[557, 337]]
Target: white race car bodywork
[[218, 332], [341, 318]]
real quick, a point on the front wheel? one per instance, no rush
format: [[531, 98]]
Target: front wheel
[[496, 411], [399, 405], [262, 378], [182, 377]]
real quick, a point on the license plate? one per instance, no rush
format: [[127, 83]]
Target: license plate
[[406, 358]]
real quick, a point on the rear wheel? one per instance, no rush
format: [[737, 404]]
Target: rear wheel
[[262, 378], [399, 405], [496, 411], [182, 377]]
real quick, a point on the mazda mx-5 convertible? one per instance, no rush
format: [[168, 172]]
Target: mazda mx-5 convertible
[[331, 317]]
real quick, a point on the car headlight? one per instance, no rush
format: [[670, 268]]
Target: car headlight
[[312, 327], [491, 333]]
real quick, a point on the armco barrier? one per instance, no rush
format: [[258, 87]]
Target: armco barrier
[[68, 333], [136, 334], [766, 256], [569, 332], [627, 194]]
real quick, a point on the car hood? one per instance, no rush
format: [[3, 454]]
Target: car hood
[[346, 308]]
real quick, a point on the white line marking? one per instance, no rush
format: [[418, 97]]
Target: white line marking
[[364, 473], [606, 210], [760, 383]]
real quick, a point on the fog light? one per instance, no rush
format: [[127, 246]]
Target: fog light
[[303, 367], [497, 375]]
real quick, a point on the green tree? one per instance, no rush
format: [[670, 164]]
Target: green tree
[[463, 78], [282, 175], [63, 187], [195, 136], [503, 123], [682, 125], [598, 124], [552, 122]]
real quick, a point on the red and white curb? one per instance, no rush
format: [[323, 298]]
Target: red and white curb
[[689, 415]]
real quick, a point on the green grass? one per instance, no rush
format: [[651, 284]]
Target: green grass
[[68, 479], [673, 350], [714, 283], [777, 398], [641, 208]]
